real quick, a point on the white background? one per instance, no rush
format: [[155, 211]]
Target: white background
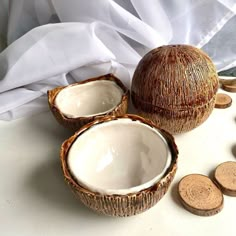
[[34, 199]]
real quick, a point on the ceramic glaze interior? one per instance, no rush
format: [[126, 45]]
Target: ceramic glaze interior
[[119, 157], [89, 99]]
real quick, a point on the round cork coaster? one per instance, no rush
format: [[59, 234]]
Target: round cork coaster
[[229, 87], [225, 80], [223, 100], [200, 195], [225, 175]]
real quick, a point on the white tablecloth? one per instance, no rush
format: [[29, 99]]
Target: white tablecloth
[[34, 199]]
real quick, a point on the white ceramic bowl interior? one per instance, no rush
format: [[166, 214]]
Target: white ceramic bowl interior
[[89, 99], [119, 157]]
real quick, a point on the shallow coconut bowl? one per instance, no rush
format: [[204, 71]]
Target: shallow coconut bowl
[[175, 86], [80, 103], [119, 166]]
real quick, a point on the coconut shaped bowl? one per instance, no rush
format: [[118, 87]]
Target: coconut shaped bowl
[[80, 103], [119, 166], [175, 86]]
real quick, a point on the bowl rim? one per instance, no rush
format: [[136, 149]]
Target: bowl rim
[[155, 185], [110, 77]]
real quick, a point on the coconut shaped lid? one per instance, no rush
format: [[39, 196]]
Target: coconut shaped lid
[[175, 76]]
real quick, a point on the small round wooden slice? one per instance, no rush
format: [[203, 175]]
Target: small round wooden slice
[[225, 175], [227, 80], [200, 195], [223, 100], [229, 87]]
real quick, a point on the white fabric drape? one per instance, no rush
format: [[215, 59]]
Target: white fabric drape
[[47, 43]]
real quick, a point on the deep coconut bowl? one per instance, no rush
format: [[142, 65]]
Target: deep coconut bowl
[[119, 166], [80, 103], [175, 86]]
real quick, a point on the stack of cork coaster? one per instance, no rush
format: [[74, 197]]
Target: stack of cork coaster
[[228, 84], [203, 196]]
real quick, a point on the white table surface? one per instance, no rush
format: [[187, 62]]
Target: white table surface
[[34, 200]]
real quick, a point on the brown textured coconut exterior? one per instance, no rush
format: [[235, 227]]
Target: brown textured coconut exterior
[[175, 87], [76, 123], [120, 205]]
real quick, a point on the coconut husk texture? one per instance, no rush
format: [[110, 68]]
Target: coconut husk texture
[[76, 123], [175, 86], [120, 205]]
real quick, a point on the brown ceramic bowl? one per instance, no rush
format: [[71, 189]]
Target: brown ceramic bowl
[[119, 166], [80, 103], [175, 86]]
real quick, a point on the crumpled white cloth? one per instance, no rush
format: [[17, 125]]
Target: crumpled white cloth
[[49, 43]]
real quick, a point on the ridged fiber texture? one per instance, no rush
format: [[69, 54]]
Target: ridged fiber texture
[[175, 87], [120, 205], [76, 123]]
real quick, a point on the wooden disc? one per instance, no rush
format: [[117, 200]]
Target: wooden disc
[[228, 83], [225, 175], [227, 80], [200, 195], [223, 100], [229, 88]]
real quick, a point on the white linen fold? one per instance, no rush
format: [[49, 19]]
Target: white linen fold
[[49, 43]]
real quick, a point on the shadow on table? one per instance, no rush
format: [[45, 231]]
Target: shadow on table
[[211, 174], [175, 195], [233, 150], [47, 183]]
